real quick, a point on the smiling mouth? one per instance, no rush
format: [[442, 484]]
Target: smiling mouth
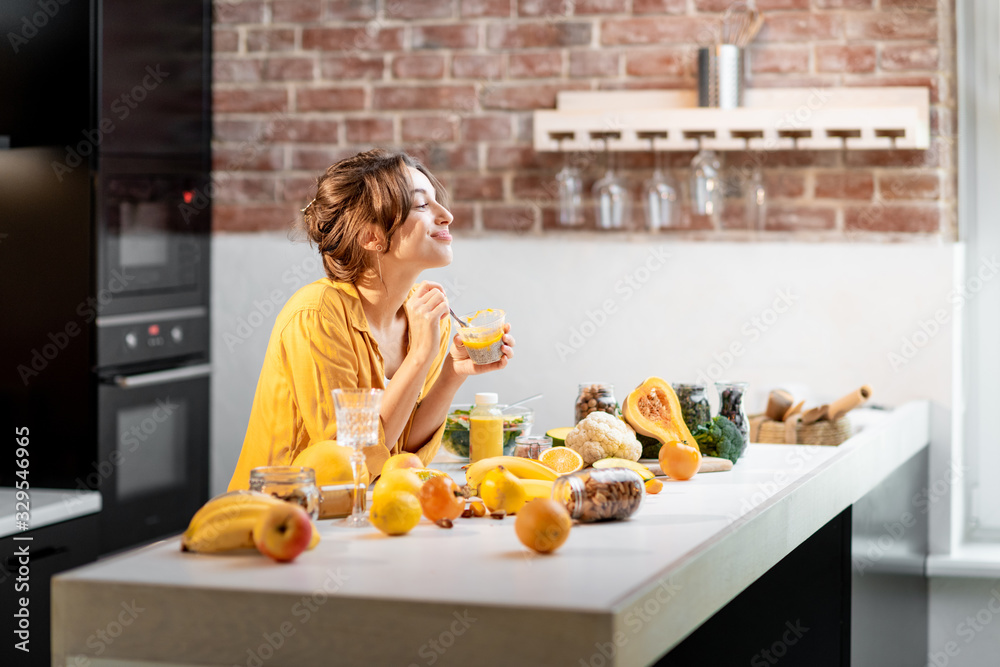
[[442, 236]]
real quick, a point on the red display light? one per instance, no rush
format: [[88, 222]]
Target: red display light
[[153, 330]]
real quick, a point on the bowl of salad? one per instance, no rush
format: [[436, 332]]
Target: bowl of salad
[[517, 420]]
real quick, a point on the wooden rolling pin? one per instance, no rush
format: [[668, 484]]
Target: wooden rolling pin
[[843, 405]]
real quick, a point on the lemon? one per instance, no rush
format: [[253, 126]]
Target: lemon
[[332, 463], [396, 513], [395, 481]]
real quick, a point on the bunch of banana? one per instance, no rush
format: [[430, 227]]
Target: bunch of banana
[[537, 488], [226, 522], [522, 468]]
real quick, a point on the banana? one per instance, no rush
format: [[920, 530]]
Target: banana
[[537, 488], [521, 468], [226, 522]]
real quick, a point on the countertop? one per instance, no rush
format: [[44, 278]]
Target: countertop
[[647, 582], [46, 507]]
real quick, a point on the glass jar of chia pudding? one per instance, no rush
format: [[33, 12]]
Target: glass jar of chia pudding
[[483, 338]]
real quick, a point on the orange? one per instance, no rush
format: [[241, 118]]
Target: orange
[[543, 525], [561, 459], [679, 460]]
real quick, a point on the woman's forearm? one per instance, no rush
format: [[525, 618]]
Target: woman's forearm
[[434, 407], [401, 395]]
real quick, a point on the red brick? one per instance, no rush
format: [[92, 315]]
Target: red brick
[[909, 57], [368, 130], [553, 9], [520, 157], [539, 188], [484, 8], [306, 130], [352, 39], [844, 4], [297, 189], [585, 7], [476, 66], [837, 58], [248, 157], [352, 67], [938, 155], [289, 69], [296, 11], [440, 157], [651, 83], [350, 10], [318, 159], [536, 35], [225, 40], [892, 25], [237, 187], [773, 5], [524, 124], [459, 97], [252, 217], [913, 185], [418, 66], [802, 159], [658, 62], [784, 185], [659, 6], [270, 39], [486, 128], [464, 216], [257, 99], [247, 11], [711, 5], [419, 9], [656, 30], [460, 36], [880, 217], [236, 70], [476, 187], [330, 99], [779, 59], [428, 128], [593, 63], [535, 65], [511, 218], [227, 129], [795, 218], [800, 27], [528, 96], [845, 185]]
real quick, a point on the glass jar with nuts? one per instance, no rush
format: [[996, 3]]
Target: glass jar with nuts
[[599, 494], [593, 397]]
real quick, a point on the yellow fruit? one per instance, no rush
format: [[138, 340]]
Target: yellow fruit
[[653, 486], [332, 463], [500, 490], [562, 459], [404, 460], [521, 468], [396, 514], [643, 471], [426, 474], [396, 481], [536, 488], [543, 525], [558, 435], [478, 508]]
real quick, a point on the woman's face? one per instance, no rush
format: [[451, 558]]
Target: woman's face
[[424, 238]]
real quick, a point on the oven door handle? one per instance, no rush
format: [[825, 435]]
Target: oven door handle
[[162, 377]]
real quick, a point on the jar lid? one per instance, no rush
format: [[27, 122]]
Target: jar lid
[[486, 398]]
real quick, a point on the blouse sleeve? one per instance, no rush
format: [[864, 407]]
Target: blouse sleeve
[[429, 449]]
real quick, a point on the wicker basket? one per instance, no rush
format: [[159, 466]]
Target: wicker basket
[[818, 433]]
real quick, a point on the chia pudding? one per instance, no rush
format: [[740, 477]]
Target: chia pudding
[[483, 338]]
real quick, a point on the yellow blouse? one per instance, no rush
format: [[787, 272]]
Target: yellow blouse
[[320, 342]]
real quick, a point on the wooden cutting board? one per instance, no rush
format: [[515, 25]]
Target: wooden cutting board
[[708, 464]]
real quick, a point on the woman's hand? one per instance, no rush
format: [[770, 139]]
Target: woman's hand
[[425, 309], [463, 364]]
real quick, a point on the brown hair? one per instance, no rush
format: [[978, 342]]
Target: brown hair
[[370, 188]]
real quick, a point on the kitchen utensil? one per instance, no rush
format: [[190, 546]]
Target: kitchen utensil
[[779, 402], [740, 24], [720, 76], [525, 400], [457, 318], [845, 404], [708, 464], [792, 411], [813, 415]]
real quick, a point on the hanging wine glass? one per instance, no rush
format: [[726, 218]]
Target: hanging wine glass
[[570, 189], [660, 198], [755, 199], [611, 194], [706, 185]]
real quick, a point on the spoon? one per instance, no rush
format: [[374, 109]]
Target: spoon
[[457, 318], [525, 400]]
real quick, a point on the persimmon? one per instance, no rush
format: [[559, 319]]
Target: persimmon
[[679, 460], [543, 525], [440, 498]]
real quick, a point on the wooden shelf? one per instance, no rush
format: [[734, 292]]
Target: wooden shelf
[[771, 119]]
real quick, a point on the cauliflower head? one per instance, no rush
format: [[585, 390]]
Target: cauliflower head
[[600, 436]]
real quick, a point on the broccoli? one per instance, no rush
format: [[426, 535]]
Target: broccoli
[[719, 437]]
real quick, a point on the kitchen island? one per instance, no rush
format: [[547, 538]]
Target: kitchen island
[[622, 593]]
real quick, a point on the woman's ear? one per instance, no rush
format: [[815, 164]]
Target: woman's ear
[[372, 240]]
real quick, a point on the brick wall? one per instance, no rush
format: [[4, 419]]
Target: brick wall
[[299, 84]]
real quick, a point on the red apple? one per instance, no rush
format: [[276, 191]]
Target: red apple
[[283, 532]]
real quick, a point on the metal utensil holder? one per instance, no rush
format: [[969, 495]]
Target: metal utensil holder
[[720, 76]]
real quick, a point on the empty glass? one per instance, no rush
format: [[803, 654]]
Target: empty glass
[[660, 197], [706, 186], [570, 192], [357, 427], [755, 199], [611, 196]]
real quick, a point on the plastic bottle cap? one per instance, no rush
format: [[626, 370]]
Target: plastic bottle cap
[[486, 398]]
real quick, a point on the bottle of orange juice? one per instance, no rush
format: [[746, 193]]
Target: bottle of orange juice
[[485, 428]]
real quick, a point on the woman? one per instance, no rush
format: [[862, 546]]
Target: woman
[[378, 220]]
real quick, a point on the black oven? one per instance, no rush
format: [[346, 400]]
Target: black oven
[[153, 435]]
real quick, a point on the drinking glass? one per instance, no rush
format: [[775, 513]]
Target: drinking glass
[[660, 197], [570, 192], [611, 196], [756, 200], [706, 186], [357, 427]]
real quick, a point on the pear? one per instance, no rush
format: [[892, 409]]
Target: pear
[[501, 490]]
